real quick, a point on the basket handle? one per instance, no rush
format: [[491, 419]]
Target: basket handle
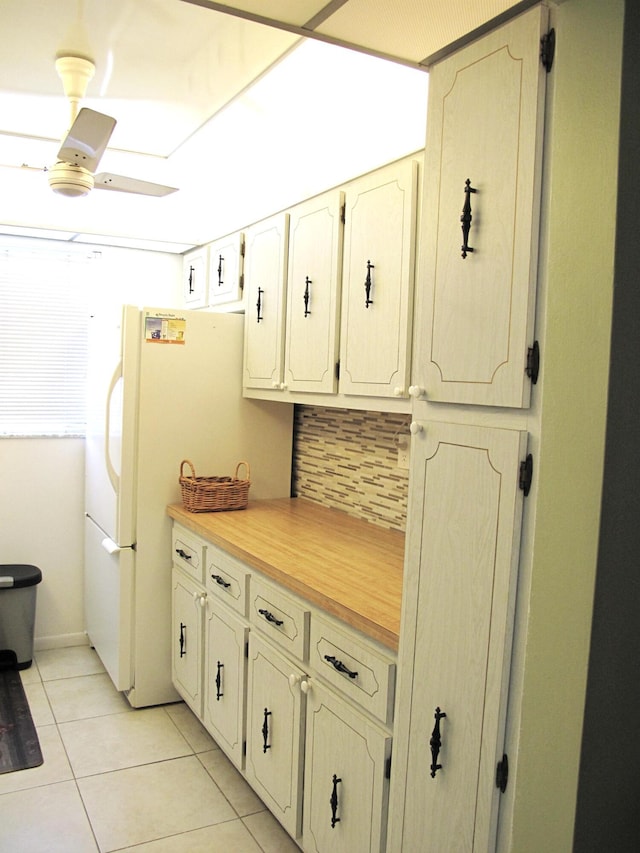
[[190, 464], [246, 465]]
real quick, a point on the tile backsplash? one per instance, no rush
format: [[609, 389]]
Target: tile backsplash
[[347, 459]]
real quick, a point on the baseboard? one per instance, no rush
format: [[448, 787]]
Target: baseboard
[[60, 641]]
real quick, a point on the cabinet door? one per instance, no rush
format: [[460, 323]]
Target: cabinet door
[[186, 642], [265, 285], [345, 788], [458, 600], [194, 278], [275, 733], [313, 294], [377, 298], [226, 265], [485, 126], [225, 679]]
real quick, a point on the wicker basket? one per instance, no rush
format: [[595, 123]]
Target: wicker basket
[[214, 494]]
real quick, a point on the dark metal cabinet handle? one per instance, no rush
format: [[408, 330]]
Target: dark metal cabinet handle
[[337, 664], [368, 284], [220, 581], [220, 262], [183, 639], [435, 743], [270, 617], [466, 217], [265, 731], [219, 693], [183, 554], [259, 304], [306, 296], [334, 801], [191, 277]]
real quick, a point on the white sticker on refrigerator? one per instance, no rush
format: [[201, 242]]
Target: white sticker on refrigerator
[[165, 330]]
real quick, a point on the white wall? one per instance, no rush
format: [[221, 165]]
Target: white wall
[[42, 479]]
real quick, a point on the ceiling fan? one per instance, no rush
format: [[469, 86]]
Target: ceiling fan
[[74, 172]]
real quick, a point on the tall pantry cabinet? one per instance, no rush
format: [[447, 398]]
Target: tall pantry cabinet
[[475, 364]]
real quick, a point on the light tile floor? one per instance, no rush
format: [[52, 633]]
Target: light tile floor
[[150, 780]]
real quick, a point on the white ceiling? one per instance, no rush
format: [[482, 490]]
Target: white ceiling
[[238, 113]]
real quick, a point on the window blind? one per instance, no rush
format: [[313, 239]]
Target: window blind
[[43, 340]]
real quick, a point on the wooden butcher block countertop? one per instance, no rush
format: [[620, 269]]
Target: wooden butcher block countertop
[[348, 567]]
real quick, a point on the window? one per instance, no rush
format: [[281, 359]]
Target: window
[[43, 338]]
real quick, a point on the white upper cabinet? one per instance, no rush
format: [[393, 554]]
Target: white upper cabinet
[[265, 284], [226, 269], [377, 298], [195, 278], [482, 174], [313, 294]]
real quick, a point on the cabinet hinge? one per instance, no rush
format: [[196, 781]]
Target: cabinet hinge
[[387, 768], [526, 474], [502, 773], [533, 362], [244, 747], [241, 281], [338, 369], [548, 49], [242, 243], [343, 213], [246, 650]]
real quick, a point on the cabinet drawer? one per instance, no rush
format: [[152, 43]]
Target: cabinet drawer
[[284, 620], [350, 663], [227, 579], [188, 552]]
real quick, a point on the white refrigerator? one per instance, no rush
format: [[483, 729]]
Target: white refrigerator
[[163, 386]]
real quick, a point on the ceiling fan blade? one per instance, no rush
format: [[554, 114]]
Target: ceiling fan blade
[[120, 183], [86, 141]]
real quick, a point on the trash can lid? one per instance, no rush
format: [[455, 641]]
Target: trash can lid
[[12, 575]]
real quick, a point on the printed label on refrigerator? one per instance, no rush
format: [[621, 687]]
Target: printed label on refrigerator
[[165, 330]]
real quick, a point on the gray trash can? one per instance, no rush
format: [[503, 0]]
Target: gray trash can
[[17, 613]]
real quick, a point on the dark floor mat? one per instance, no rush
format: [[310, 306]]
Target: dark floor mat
[[19, 745]]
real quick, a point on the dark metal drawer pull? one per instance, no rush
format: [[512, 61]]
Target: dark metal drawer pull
[[265, 731], [183, 639], [270, 617], [435, 743], [220, 581], [306, 297], [219, 693], [367, 285], [259, 304], [183, 554], [466, 217], [334, 801], [337, 664], [220, 262]]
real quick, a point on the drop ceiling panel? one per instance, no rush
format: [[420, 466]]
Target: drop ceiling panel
[[409, 29]]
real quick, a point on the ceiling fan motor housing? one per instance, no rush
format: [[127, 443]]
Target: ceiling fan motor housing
[[67, 179]]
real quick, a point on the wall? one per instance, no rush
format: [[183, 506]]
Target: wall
[[553, 632], [42, 483], [347, 460]]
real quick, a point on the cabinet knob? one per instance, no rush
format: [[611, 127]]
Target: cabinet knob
[[398, 392], [417, 391], [294, 679], [200, 598], [415, 428], [305, 686]]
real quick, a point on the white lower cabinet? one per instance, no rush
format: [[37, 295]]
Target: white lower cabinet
[[300, 702], [187, 599], [225, 679], [275, 721], [346, 785]]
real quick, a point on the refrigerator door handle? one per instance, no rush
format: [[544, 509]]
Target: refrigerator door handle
[[111, 471]]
